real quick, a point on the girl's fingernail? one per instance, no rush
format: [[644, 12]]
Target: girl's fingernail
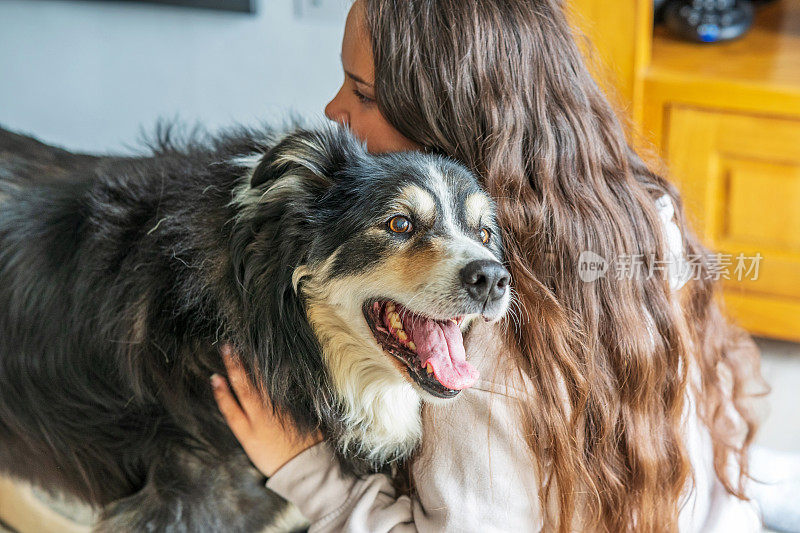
[[216, 381]]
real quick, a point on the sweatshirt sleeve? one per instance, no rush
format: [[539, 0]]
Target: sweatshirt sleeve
[[708, 506], [472, 474], [334, 501]]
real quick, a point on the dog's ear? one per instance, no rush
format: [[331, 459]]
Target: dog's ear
[[320, 152], [285, 351]]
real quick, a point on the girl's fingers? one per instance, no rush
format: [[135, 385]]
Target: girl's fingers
[[250, 400], [233, 414], [267, 441]]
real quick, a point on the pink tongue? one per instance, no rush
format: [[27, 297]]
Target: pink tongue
[[442, 345]]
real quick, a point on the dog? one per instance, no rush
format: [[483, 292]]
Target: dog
[[344, 280]]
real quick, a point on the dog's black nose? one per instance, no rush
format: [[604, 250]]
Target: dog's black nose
[[485, 280]]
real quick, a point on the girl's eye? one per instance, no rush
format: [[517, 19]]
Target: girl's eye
[[486, 236], [363, 98], [399, 224]]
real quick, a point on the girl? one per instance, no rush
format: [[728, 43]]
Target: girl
[[613, 405]]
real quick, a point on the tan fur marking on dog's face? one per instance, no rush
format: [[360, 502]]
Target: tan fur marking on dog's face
[[475, 206], [413, 267], [419, 201]]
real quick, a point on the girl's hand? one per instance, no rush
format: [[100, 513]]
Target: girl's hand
[[267, 440]]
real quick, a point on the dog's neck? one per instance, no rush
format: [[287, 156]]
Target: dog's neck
[[381, 411]]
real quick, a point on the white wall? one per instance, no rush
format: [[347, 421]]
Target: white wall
[[88, 75]]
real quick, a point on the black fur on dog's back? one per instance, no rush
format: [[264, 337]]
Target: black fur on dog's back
[[117, 287]]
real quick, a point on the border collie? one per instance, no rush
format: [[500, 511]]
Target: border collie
[[345, 281]]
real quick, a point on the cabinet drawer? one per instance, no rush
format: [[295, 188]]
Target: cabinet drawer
[[739, 176]]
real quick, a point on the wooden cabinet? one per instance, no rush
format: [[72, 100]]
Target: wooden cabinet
[[740, 179], [726, 119]]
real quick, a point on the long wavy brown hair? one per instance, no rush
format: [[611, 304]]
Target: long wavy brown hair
[[502, 86]]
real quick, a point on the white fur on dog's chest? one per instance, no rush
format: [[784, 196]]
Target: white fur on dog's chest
[[381, 410]]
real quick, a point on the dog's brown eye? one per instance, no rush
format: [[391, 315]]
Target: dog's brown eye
[[486, 236], [400, 224]]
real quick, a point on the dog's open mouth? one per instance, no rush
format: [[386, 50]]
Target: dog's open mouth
[[432, 350]]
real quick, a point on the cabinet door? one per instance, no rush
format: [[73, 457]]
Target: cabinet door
[[740, 179]]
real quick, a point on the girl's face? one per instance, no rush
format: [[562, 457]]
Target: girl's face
[[354, 105]]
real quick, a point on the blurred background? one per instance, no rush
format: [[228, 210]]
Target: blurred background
[[711, 86], [88, 75]]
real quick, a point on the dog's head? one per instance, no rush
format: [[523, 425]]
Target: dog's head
[[391, 257]]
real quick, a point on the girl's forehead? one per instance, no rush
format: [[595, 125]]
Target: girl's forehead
[[356, 46]]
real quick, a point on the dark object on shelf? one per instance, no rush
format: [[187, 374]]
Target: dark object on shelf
[[658, 10], [240, 6], [709, 21]]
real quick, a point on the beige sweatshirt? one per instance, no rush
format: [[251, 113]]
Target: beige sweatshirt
[[473, 471]]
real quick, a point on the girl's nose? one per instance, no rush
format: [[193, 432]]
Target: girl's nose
[[336, 111]]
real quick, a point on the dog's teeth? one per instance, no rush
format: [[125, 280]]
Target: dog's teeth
[[429, 368], [453, 320], [402, 335], [412, 346], [394, 320], [390, 307]]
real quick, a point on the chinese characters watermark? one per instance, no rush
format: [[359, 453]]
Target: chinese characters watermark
[[740, 267]]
